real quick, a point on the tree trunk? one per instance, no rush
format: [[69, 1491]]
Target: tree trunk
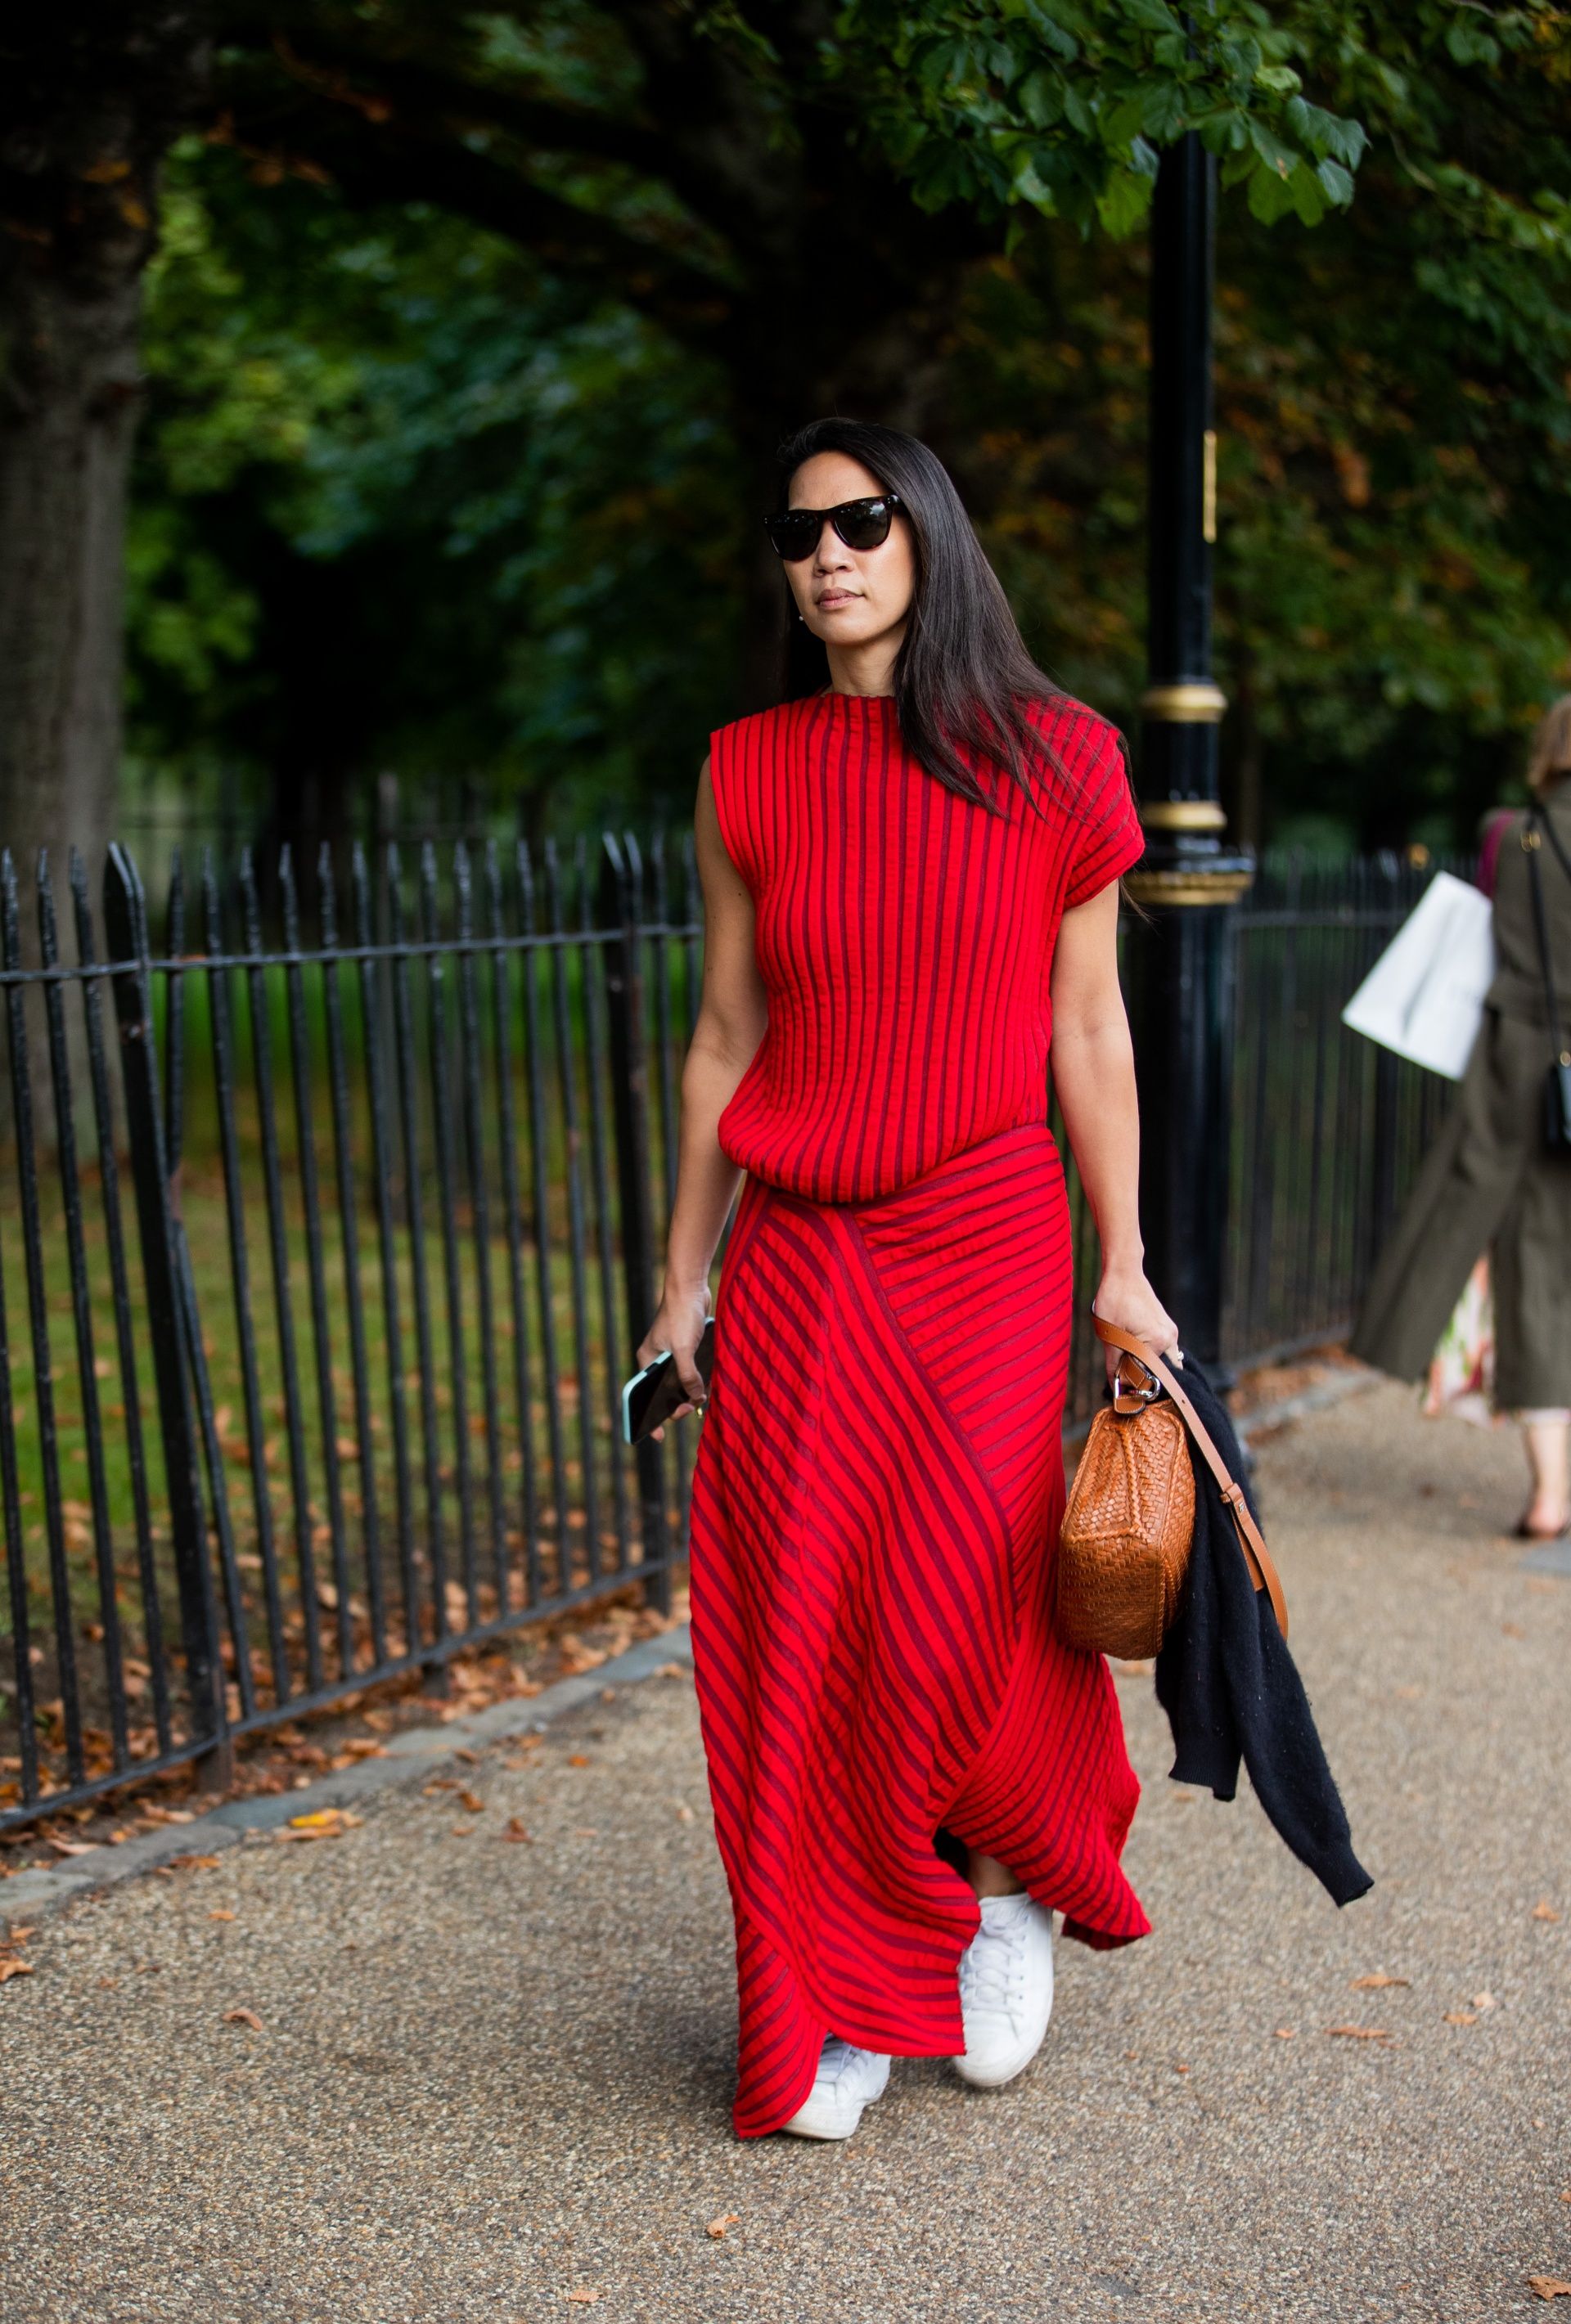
[[65, 446], [93, 96]]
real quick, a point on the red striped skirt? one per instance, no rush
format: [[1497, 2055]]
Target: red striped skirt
[[876, 1499]]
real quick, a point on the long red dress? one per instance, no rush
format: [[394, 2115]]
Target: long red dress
[[879, 1482]]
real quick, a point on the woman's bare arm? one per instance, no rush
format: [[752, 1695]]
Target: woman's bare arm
[[1092, 1066], [732, 1015]]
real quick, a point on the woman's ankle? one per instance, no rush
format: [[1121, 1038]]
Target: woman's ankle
[[989, 1877]]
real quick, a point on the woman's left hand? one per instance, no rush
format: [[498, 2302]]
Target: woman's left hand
[[1128, 1300]]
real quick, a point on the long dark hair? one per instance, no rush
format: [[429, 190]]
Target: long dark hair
[[963, 678]]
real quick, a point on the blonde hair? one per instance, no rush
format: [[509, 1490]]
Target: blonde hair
[[1549, 761]]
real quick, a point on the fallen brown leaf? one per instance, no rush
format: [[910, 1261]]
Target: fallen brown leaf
[[242, 2017], [1375, 1981], [1544, 1910], [72, 1846], [10, 1968], [192, 1863], [221, 1914], [442, 1784], [1286, 2033], [471, 1803], [717, 2228], [1360, 2032], [20, 1936], [1461, 2017], [583, 2295], [470, 1758], [575, 1759], [1549, 2287], [322, 1823], [1483, 2001], [462, 1830], [517, 1829]]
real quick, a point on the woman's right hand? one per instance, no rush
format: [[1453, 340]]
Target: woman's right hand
[[678, 1326]]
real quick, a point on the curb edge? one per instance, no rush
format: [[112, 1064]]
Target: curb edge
[[410, 1757]]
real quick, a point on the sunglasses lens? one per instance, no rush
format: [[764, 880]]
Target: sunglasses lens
[[863, 524], [795, 535]]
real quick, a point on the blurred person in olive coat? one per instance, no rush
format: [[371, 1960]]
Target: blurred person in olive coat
[[1493, 1181]]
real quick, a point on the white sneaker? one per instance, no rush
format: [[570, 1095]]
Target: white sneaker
[[1006, 1990], [848, 2080]]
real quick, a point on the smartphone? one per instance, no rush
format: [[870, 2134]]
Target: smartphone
[[652, 1394]]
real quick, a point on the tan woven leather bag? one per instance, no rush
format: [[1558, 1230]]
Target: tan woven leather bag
[[1130, 1525]]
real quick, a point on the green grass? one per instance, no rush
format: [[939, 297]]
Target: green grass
[[584, 1506]]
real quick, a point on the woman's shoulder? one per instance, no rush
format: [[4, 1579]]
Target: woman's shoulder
[[1072, 723], [1085, 752], [756, 728]]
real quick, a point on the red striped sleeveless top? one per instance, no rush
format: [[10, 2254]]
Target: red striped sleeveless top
[[904, 935]]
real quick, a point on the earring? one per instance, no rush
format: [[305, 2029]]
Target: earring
[[801, 617]]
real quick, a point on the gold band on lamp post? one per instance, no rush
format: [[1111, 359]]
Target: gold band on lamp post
[[1186, 884], [1194, 702], [1182, 815]]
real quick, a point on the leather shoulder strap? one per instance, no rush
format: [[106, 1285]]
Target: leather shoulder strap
[[1538, 826], [1257, 1557]]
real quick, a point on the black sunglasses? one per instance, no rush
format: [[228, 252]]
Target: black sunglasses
[[860, 524]]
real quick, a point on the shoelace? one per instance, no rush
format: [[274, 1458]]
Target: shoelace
[[992, 1968]]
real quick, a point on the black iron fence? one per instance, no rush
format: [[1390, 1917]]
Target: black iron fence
[[1327, 1130], [346, 1401], [348, 1405]]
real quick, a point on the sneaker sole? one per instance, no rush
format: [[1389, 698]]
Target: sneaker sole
[[795, 2129], [994, 2081]]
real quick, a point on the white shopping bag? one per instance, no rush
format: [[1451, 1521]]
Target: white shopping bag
[[1424, 996]]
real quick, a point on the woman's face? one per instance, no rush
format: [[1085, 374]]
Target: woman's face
[[849, 597]]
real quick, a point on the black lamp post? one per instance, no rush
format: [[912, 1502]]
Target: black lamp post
[[1190, 879]]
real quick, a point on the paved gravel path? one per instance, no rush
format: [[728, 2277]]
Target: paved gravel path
[[492, 2077]]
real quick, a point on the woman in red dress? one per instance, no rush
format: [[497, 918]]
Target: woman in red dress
[[910, 897]]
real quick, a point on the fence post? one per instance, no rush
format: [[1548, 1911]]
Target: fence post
[[620, 884], [125, 927]]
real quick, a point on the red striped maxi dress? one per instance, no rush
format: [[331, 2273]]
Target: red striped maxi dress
[[879, 1482]]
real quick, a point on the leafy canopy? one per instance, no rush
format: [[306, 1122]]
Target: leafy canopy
[[439, 278], [1063, 111]]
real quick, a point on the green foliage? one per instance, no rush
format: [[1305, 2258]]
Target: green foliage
[[403, 501], [1063, 111], [1393, 597], [468, 333]]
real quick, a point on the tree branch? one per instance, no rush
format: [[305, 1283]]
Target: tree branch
[[373, 162], [430, 90]]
